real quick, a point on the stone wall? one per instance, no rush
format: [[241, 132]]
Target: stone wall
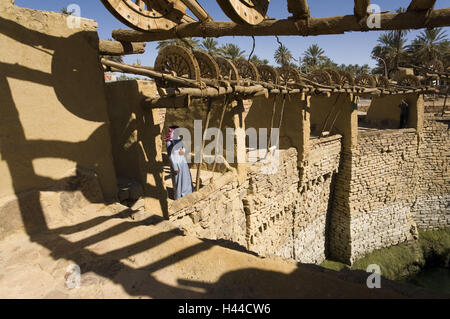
[[269, 206], [374, 193], [214, 212], [313, 205], [432, 206], [272, 213]]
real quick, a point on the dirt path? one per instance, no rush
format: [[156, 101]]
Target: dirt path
[[121, 258]]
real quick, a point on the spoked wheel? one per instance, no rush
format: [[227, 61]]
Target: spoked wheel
[[251, 12], [347, 78], [335, 76], [176, 60], [247, 70], [383, 82], [366, 80], [268, 74], [208, 66], [147, 15], [321, 77], [289, 76], [409, 80], [228, 70]]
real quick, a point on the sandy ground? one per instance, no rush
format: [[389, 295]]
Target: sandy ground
[[145, 257]]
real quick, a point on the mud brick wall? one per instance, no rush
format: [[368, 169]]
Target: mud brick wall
[[376, 188], [432, 206], [215, 212], [269, 206], [312, 206]]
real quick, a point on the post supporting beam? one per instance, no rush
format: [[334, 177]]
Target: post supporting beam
[[117, 48], [299, 9], [360, 9], [421, 5]]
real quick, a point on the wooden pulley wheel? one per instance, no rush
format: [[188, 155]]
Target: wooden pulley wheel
[[366, 80], [144, 15], [251, 12], [268, 74], [228, 70], [321, 77], [335, 76], [347, 78], [383, 82], [409, 80], [289, 75], [177, 61], [209, 69], [247, 70]]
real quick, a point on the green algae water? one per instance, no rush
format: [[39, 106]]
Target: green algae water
[[437, 279]]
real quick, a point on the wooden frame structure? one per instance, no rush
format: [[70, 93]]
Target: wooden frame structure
[[420, 14]]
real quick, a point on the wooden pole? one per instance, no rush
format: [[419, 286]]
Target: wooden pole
[[315, 26], [421, 5], [445, 101], [197, 10], [274, 108], [225, 104], [153, 74], [208, 118], [117, 48], [360, 9], [299, 9]]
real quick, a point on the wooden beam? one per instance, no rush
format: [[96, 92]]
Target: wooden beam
[[316, 26], [299, 9], [168, 102], [153, 74], [197, 10], [107, 47], [421, 5], [360, 9]]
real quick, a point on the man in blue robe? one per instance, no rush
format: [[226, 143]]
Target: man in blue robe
[[181, 175]]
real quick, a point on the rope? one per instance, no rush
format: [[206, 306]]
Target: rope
[[282, 112], [253, 48], [269, 144], [224, 107]]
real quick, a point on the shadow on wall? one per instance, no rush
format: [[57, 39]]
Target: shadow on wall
[[136, 140], [266, 113]]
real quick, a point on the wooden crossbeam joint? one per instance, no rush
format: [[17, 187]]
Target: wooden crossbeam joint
[[299, 9], [421, 5]]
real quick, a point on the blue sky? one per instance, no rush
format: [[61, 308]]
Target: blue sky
[[350, 48]]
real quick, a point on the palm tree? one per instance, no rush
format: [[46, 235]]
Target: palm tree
[[256, 60], [391, 48], [430, 46], [210, 45], [283, 56], [328, 63], [231, 51], [363, 69], [313, 57], [189, 43]]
